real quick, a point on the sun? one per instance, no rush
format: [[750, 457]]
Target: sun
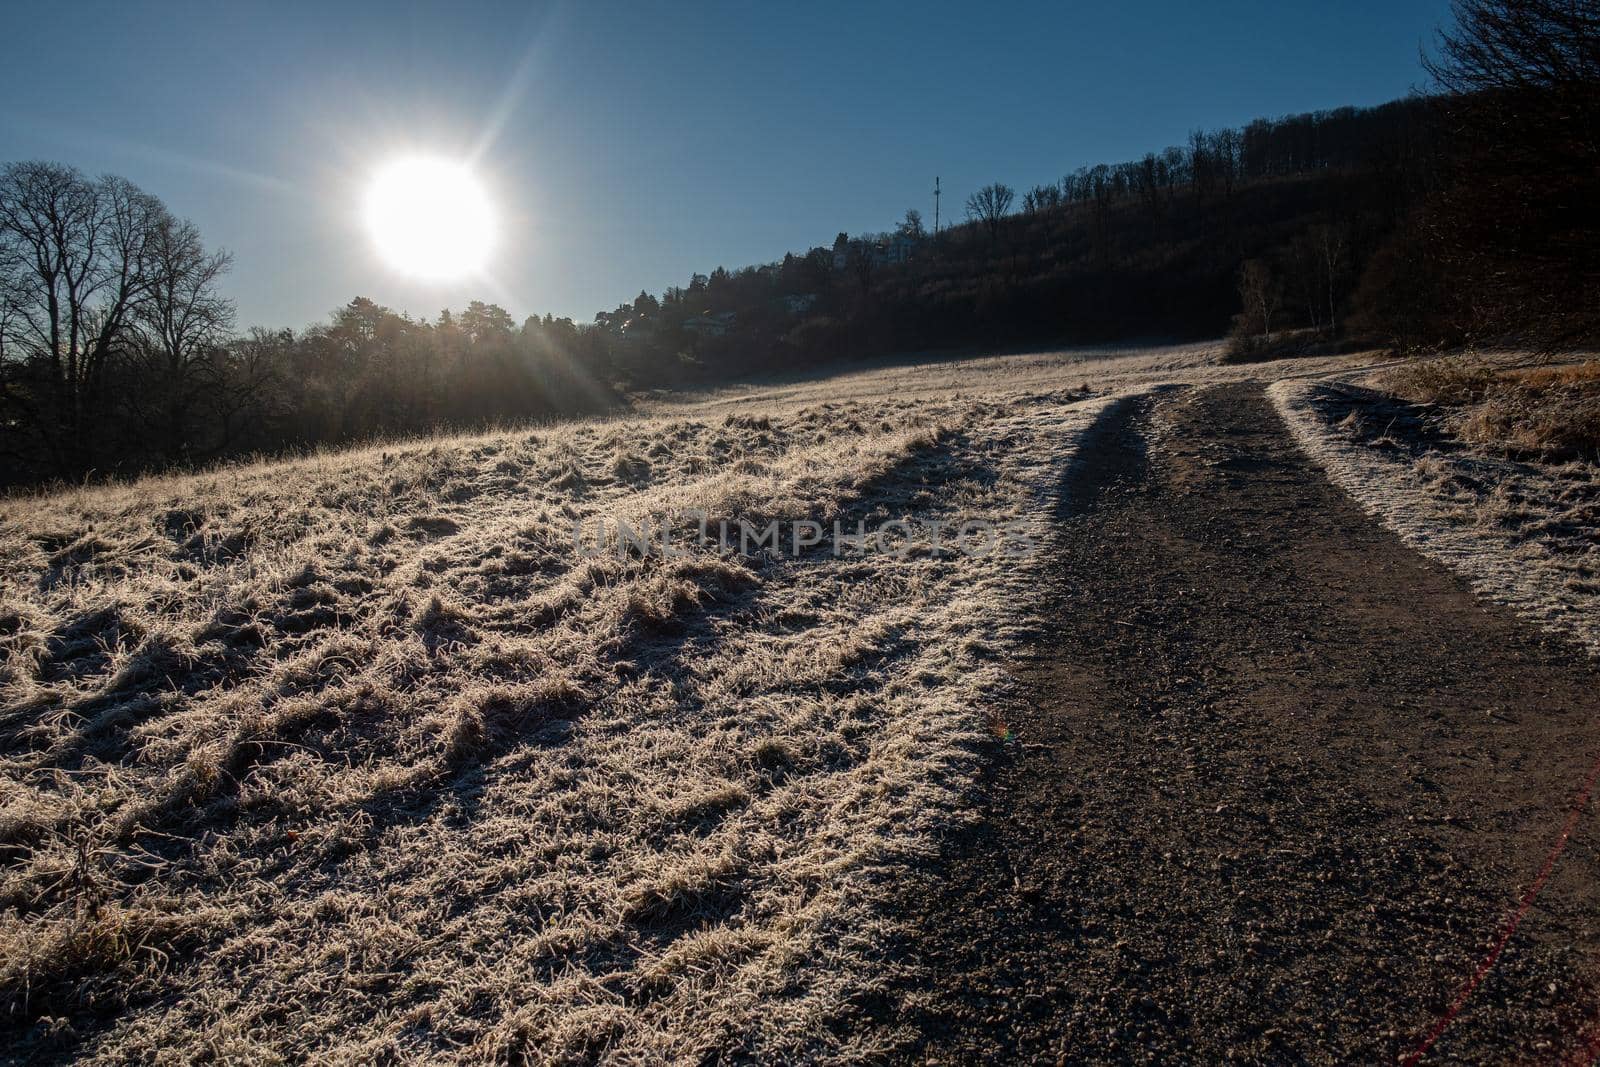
[[430, 218]]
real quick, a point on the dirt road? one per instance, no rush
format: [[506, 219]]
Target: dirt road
[[1279, 785]]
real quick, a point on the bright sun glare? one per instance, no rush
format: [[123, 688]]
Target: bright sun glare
[[430, 218]]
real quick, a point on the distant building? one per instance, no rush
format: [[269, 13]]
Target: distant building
[[799, 303], [897, 249], [894, 248], [711, 325]]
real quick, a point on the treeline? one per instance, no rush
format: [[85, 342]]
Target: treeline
[[371, 372], [1464, 217], [118, 354], [1146, 249]]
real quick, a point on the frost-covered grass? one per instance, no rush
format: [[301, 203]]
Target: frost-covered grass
[[1520, 527], [356, 758], [1552, 412]]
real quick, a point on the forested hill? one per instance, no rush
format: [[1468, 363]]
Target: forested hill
[[1146, 249]]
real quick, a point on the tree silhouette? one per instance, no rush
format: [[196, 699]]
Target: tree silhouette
[[180, 329], [989, 205], [82, 259], [1516, 221], [1261, 293]]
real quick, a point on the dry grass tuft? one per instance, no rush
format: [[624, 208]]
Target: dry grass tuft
[[1454, 381], [1552, 412]]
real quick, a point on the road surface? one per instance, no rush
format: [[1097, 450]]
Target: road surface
[[1277, 788]]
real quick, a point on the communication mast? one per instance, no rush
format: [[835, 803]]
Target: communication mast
[[936, 206]]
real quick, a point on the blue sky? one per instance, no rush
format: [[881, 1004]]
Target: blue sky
[[629, 145]]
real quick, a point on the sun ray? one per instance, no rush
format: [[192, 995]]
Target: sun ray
[[516, 88]]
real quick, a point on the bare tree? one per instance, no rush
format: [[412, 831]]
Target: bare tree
[[1302, 268], [80, 265], [911, 226], [1517, 45], [249, 394], [1101, 193], [989, 205], [1515, 223], [1261, 293], [1330, 247], [11, 303], [1226, 151], [1201, 166], [180, 325], [1041, 198], [1147, 180]]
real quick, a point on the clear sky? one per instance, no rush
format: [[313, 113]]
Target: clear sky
[[627, 146]]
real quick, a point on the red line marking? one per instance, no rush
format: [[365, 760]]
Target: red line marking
[[1511, 925], [1591, 1052]]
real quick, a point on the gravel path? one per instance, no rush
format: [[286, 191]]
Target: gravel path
[[1277, 786]]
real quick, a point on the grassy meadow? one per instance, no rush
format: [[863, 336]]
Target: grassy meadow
[[358, 755]]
